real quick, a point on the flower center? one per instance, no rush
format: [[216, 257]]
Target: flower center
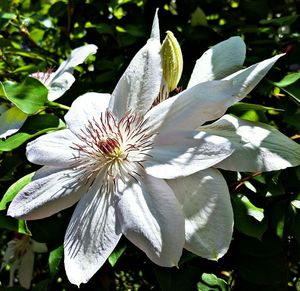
[[21, 246], [113, 149]]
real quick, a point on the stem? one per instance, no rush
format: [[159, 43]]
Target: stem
[[57, 105]]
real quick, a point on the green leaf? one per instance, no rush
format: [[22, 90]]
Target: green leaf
[[14, 141], [9, 223], [34, 126], [2, 91], [28, 96], [198, 18], [212, 282], [281, 21], [294, 91], [55, 258], [241, 106], [288, 80], [279, 218], [14, 189], [248, 218], [116, 254]]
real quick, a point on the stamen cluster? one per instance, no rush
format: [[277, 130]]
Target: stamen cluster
[[115, 149]]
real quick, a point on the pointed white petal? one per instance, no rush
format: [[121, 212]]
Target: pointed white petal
[[150, 216], [178, 154], [219, 61], [257, 146], [77, 57], [140, 83], [208, 213], [91, 235], [155, 27], [11, 121], [50, 191], [192, 107], [85, 108], [53, 149], [26, 269], [245, 80], [60, 85]]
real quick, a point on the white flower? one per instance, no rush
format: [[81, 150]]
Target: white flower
[[146, 171], [61, 80], [57, 83], [20, 256]]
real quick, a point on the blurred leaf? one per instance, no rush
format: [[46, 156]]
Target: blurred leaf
[[281, 21], [5, 17], [104, 28], [58, 9], [173, 279], [55, 259], [116, 254], [296, 230], [261, 265], [198, 17], [13, 190], [28, 54], [29, 96], [2, 91], [211, 282], [293, 90], [288, 80], [278, 217], [41, 286], [251, 115], [248, 218]]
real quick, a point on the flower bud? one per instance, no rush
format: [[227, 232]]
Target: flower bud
[[172, 61]]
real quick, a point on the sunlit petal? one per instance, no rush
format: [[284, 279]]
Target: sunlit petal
[[219, 61], [208, 213], [150, 216]]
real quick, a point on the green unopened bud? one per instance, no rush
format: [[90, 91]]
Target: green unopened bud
[[172, 61]]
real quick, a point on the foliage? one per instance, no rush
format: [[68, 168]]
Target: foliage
[[38, 35]]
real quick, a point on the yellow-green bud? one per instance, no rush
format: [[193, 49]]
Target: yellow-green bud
[[172, 62]]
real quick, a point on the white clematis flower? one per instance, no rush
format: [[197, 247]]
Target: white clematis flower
[[57, 83], [146, 171], [61, 80], [20, 256]]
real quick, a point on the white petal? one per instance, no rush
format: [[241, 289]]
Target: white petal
[[26, 269], [53, 149], [219, 61], [208, 213], [91, 235], [178, 154], [140, 84], [77, 57], [150, 216], [85, 108], [38, 247], [245, 80], [257, 146], [191, 108], [60, 85], [155, 27], [11, 121], [50, 191]]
